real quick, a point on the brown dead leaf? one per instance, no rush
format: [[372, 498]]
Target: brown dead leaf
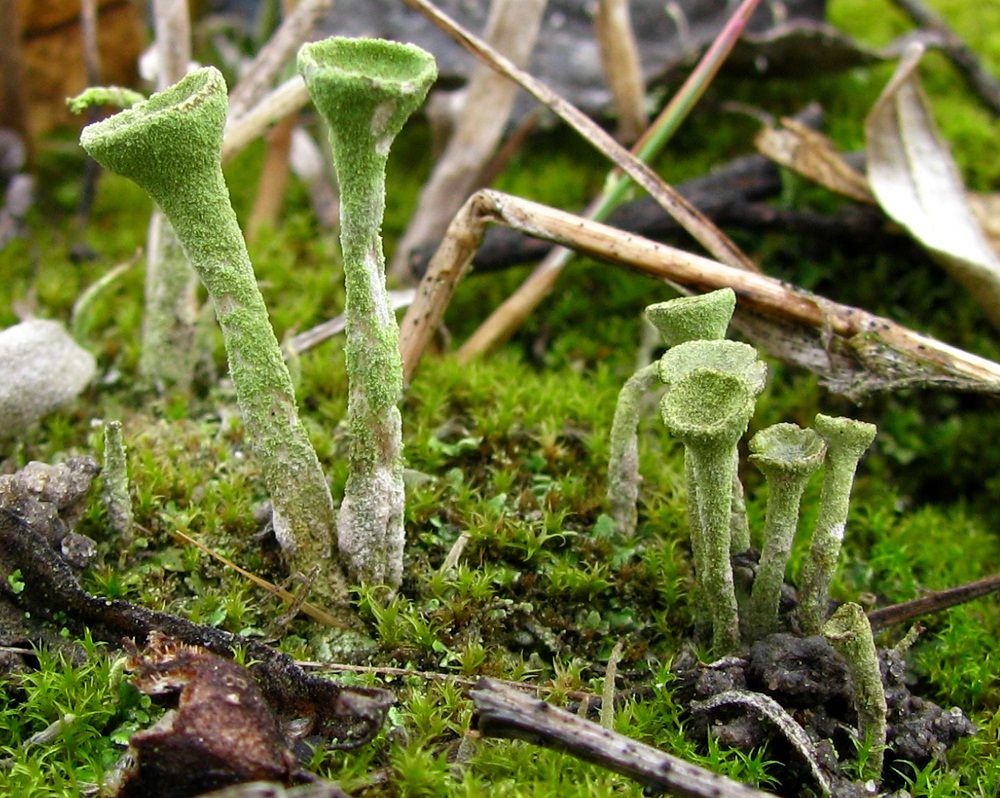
[[812, 155], [916, 182], [986, 209]]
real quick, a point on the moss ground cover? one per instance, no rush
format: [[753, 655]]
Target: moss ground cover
[[511, 451]]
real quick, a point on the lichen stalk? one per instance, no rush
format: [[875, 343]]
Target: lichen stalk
[[366, 89], [170, 145], [701, 317], [849, 631], [114, 473], [739, 526], [730, 357], [846, 441], [787, 455], [709, 410], [169, 353], [623, 463]]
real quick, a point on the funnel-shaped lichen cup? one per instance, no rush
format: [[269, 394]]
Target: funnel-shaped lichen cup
[[732, 357], [846, 441], [704, 317], [787, 455], [366, 89], [709, 411], [171, 145]]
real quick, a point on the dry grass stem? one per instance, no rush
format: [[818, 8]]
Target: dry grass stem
[[296, 28], [509, 316], [286, 99], [856, 351], [692, 220], [172, 23], [512, 29], [620, 57], [273, 178], [318, 614]]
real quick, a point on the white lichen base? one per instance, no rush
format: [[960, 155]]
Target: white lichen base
[[370, 531]]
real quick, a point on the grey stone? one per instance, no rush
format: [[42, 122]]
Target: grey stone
[[41, 368]]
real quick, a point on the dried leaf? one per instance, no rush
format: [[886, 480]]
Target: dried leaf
[[986, 209], [916, 182], [812, 155]]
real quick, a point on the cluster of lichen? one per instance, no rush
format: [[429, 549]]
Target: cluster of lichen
[[171, 146], [711, 389]]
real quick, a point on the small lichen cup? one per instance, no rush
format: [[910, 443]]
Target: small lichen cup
[[846, 441], [704, 317], [689, 318], [787, 455], [709, 410]]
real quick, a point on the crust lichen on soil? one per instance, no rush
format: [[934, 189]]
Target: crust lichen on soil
[[507, 457]]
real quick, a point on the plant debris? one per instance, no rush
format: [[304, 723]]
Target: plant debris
[[223, 731], [47, 587], [809, 679]]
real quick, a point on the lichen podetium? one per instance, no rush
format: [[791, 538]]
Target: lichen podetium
[[366, 89], [170, 145], [846, 441], [709, 410], [701, 317], [850, 632]]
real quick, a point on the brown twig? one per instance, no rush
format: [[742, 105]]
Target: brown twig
[[856, 351], [351, 715], [984, 84], [504, 712], [933, 602]]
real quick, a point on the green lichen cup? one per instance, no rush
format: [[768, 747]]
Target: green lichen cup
[[704, 317], [171, 146], [366, 89], [787, 455], [709, 410]]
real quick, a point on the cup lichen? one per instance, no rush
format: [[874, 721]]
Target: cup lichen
[[850, 632], [711, 389], [709, 410], [701, 317], [170, 145], [787, 455], [846, 441], [366, 89]]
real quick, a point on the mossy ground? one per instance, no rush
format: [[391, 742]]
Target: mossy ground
[[512, 451]]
